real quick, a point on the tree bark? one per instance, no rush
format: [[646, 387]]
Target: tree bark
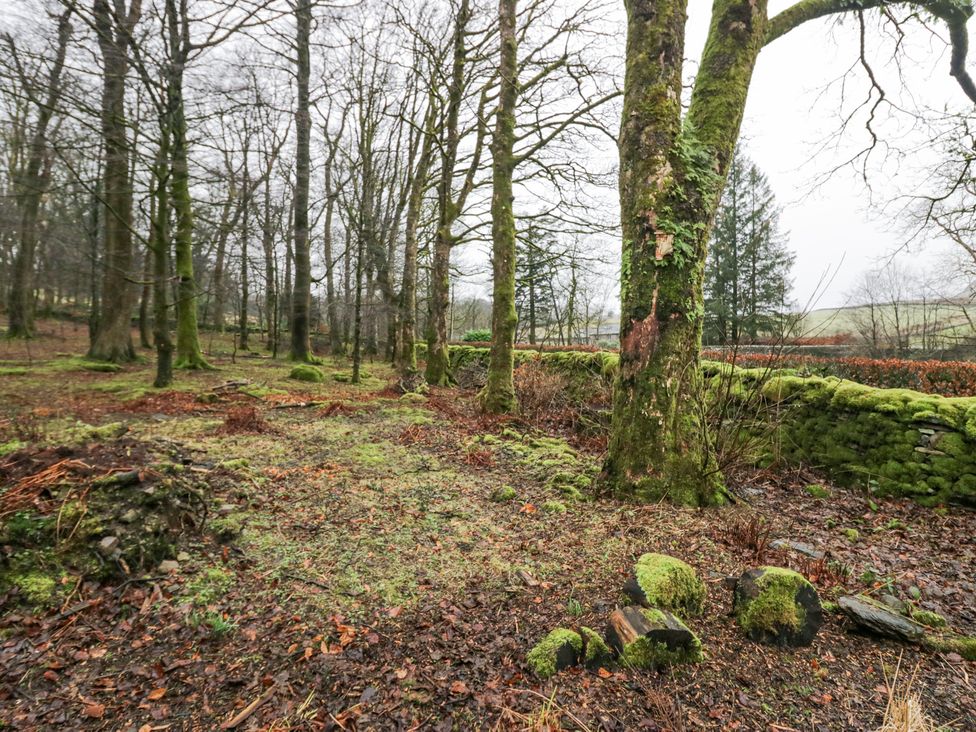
[[498, 395], [302, 290], [406, 352], [159, 251], [671, 176], [113, 337], [449, 208]]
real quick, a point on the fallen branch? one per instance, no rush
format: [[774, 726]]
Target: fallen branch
[[306, 580], [249, 709]]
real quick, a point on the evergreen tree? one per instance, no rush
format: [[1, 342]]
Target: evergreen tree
[[536, 261], [747, 275]]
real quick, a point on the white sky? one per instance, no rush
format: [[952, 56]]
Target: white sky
[[831, 229]]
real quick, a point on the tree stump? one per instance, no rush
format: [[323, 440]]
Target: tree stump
[[558, 650], [596, 652], [777, 606], [666, 583], [649, 638]]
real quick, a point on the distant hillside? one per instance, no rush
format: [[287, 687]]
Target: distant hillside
[[930, 324]]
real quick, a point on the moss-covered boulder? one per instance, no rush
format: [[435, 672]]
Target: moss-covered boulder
[[560, 649], [307, 372], [777, 606], [664, 582], [651, 638], [596, 652]]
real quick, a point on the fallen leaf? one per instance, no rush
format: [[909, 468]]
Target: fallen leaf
[[156, 694], [603, 673], [94, 711], [459, 687]]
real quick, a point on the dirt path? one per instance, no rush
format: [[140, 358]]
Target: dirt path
[[359, 572]]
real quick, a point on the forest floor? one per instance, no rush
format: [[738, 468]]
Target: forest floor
[[354, 572]]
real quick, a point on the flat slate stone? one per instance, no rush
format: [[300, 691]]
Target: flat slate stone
[[798, 546], [880, 620]]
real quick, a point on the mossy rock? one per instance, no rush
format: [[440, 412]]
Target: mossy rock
[[596, 652], [777, 606], [503, 494], [560, 649], [413, 397], [306, 372], [651, 638], [664, 582]]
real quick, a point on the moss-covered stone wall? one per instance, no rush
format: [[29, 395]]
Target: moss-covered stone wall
[[891, 441]]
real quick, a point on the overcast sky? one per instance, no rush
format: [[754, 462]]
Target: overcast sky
[[833, 229]]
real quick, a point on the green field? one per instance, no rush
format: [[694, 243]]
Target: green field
[[946, 323]]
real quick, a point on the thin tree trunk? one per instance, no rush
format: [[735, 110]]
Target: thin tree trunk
[[406, 352], [267, 244], [189, 354], [357, 346], [159, 250], [30, 188], [245, 233], [438, 362]]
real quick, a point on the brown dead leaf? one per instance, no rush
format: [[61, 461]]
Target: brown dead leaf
[[94, 711], [157, 694], [459, 687]]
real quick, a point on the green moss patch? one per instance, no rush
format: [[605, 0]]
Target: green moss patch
[[777, 606], [596, 652], [306, 372], [560, 649], [503, 494], [662, 581]]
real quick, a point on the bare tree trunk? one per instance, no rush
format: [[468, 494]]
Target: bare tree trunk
[[671, 177], [302, 291], [113, 337], [159, 250], [406, 352], [30, 188]]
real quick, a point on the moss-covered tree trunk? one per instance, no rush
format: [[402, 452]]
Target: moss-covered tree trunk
[[113, 336], [671, 174], [189, 354], [301, 300], [498, 395]]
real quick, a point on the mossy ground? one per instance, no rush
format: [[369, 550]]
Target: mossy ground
[[373, 572]]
